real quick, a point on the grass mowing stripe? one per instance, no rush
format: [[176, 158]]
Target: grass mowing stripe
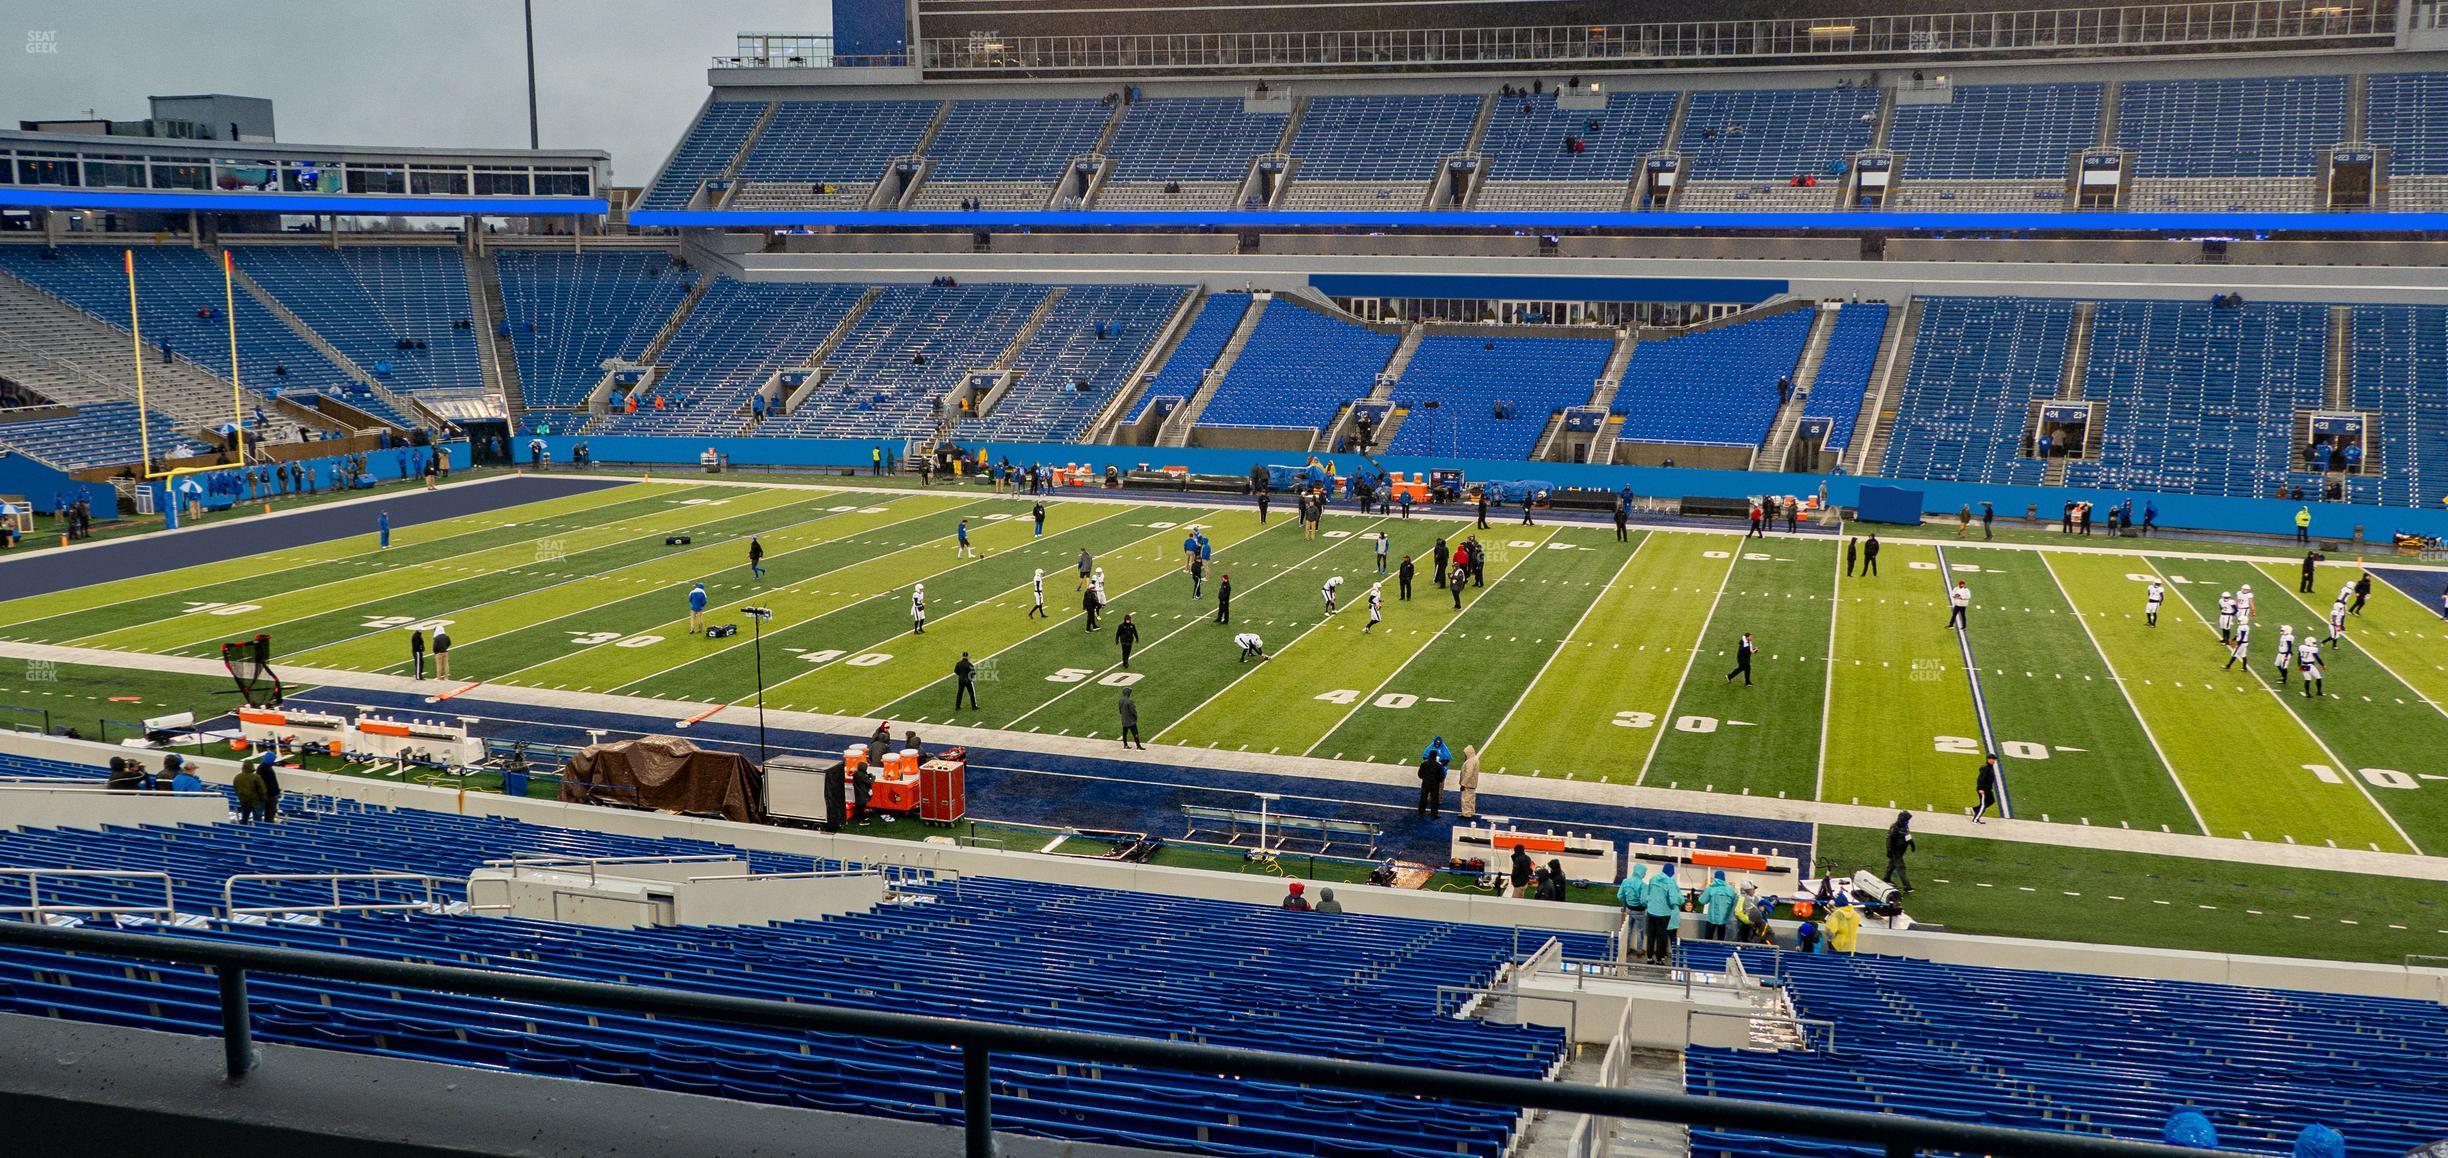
[[1764, 739], [1611, 678], [2070, 745], [2012, 889], [1634, 543], [478, 556], [1192, 671], [1901, 728], [1291, 702], [553, 568], [2238, 754], [1130, 552], [1691, 656], [1020, 645], [83, 611], [540, 626], [2386, 740], [875, 591], [1460, 687], [1286, 606], [2396, 629]]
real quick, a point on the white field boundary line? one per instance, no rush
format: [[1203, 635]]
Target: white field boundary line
[[1567, 641], [1980, 703], [2186, 846], [1827, 692], [2165, 764], [1422, 649], [894, 592], [623, 526], [979, 606], [2345, 772], [1303, 565], [1690, 659], [711, 608]]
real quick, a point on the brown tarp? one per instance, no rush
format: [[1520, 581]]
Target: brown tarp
[[667, 773]]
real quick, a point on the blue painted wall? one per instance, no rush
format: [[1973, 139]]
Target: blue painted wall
[[2265, 516], [869, 28], [20, 475]]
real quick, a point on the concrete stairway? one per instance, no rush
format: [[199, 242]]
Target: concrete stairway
[[1777, 448], [1176, 430]]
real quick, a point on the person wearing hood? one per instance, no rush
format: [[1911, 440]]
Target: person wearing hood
[[1522, 872], [1470, 782], [249, 787], [1129, 710], [1327, 903], [1899, 842], [1432, 786], [1633, 894], [1293, 899], [1552, 887], [1754, 913], [1663, 905], [125, 775], [1717, 905], [2189, 1127]]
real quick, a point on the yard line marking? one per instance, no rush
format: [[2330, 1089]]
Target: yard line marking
[[1637, 548], [1980, 705], [2130, 705], [1194, 621], [2367, 653], [1827, 692], [1699, 638], [2322, 744], [1382, 684]]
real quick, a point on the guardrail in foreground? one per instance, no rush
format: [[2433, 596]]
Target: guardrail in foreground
[[980, 1041]]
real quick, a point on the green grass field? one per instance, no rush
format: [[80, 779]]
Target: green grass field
[[1580, 657]]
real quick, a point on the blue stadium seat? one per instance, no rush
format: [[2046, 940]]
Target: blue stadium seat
[[711, 142], [365, 299], [1715, 387], [1467, 375], [1844, 370], [1298, 368], [2005, 132], [1067, 371], [2201, 400], [1978, 364], [568, 312]]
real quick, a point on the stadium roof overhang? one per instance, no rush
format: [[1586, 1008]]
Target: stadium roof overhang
[[43, 170], [1846, 222]]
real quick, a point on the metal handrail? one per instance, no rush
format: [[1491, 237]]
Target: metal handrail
[[980, 1041], [230, 906], [1806, 1024], [34, 908], [1488, 994], [519, 862]]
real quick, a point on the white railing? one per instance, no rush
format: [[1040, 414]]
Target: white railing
[[271, 881], [2050, 32], [35, 910], [521, 864]]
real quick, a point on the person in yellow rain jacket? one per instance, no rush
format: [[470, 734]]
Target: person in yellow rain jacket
[[1844, 928]]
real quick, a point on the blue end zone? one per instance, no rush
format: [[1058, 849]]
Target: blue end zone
[[2424, 584], [1129, 795]]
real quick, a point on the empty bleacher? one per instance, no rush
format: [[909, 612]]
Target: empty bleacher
[[568, 312], [1978, 364], [70, 357], [2244, 144], [1299, 367], [1993, 147], [1375, 152], [1203, 146], [2201, 400], [173, 284], [99, 434], [1007, 154], [2399, 375], [890, 376], [1068, 371], [1202, 342], [2086, 1054], [737, 336], [1467, 375], [1742, 149], [2406, 113], [1529, 167], [1015, 952], [365, 300], [703, 152], [1844, 370], [1715, 387], [827, 154]]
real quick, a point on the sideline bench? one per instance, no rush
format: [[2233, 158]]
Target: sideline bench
[[1232, 824]]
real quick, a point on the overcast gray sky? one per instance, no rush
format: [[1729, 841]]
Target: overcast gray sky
[[623, 76]]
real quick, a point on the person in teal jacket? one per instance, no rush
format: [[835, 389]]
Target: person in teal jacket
[[1664, 906], [1634, 894], [1717, 903]]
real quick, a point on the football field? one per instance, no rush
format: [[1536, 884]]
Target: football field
[[1576, 656]]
